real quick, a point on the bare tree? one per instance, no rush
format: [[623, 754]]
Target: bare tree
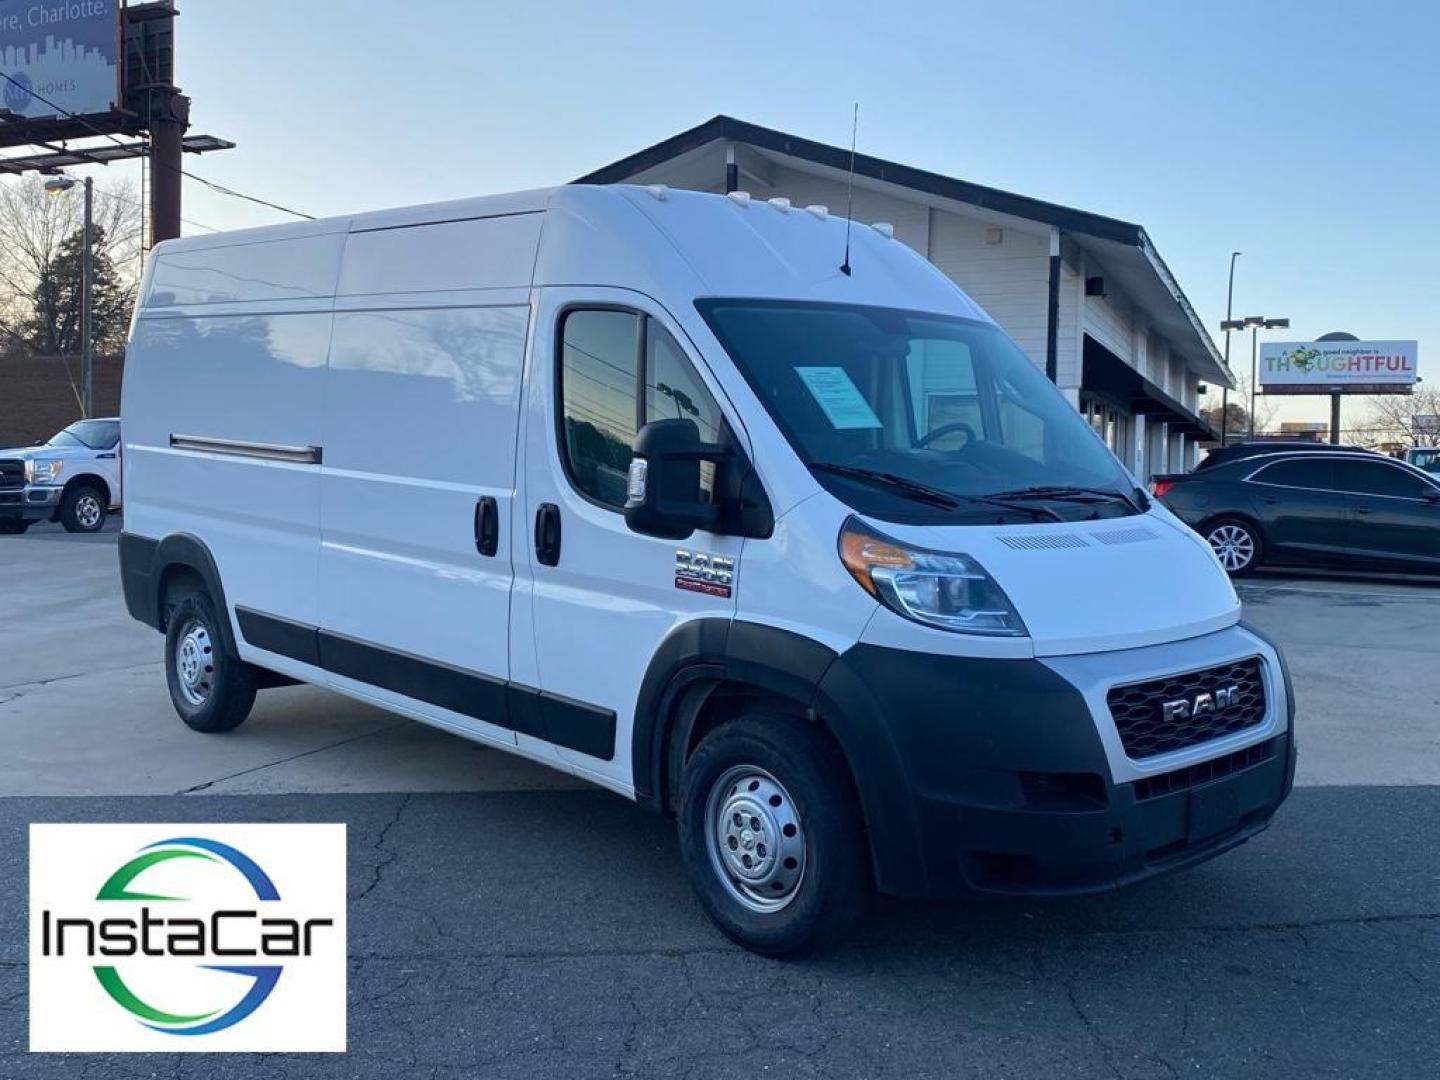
[[1391, 417], [35, 227]]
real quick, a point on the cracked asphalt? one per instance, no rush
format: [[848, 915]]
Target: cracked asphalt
[[504, 921]]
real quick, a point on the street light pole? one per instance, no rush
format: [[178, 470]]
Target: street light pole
[[87, 283], [1255, 322], [1229, 318]]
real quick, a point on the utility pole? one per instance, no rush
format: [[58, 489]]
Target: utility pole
[[87, 288]]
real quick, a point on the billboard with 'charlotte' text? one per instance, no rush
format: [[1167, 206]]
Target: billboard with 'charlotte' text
[[59, 57], [1325, 367]]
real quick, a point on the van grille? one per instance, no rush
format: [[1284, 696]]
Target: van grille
[[1147, 728], [1154, 787], [12, 474]]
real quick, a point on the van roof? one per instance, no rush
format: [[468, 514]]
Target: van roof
[[673, 245], [519, 202]]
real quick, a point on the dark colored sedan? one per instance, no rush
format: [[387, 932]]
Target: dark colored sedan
[[1336, 509]]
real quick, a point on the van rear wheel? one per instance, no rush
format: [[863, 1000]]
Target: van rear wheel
[[772, 836], [212, 689]]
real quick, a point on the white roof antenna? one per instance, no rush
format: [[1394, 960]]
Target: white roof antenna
[[658, 191], [821, 212], [780, 203], [885, 229], [741, 197]]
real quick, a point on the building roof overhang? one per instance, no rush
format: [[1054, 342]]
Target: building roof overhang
[[1121, 249]]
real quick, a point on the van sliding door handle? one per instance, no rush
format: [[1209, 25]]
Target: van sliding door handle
[[487, 525], [547, 534]]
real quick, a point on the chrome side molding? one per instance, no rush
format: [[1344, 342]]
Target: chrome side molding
[[298, 455]]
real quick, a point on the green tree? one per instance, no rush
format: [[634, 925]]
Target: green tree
[[53, 326]]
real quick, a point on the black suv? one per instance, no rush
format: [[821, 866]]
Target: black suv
[[1336, 507]]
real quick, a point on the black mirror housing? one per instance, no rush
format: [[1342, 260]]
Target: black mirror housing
[[664, 496]]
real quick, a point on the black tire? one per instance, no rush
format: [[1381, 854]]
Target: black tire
[[216, 689], [83, 509], [1228, 537], [834, 885], [14, 526]]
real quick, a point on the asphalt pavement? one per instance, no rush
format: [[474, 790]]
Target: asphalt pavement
[[505, 921]]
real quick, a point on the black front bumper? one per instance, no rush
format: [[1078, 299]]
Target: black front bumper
[[989, 776]]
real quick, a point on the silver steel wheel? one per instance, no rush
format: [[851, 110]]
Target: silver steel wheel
[[755, 838], [1233, 546], [88, 510], [195, 664]]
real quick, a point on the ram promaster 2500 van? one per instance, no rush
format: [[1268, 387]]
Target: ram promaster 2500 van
[[647, 486]]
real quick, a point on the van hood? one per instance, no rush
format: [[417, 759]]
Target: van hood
[[1095, 586]]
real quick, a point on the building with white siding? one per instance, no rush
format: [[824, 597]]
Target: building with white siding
[[1087, 297]]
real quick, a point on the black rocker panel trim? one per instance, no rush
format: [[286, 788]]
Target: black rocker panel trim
[[575, 725], [464, 692], [277, 635]]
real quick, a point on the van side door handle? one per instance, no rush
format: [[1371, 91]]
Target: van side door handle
[[487, 525], [547, 534]]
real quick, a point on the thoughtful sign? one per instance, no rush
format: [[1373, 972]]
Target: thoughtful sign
[[59, 57], [1322, 367]]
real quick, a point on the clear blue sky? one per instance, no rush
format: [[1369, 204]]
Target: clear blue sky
[[1304, 133]]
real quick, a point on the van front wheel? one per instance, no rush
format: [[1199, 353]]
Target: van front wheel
[[211, 689], [772, 835]]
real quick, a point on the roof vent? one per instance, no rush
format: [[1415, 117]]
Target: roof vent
[[821, 212], [885, 229], [781, 204], [741, 197], [658, 192]]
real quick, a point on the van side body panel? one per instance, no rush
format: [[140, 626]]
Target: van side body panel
[[230, 346]]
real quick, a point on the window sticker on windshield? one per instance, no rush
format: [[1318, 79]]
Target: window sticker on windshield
[[833, 390]]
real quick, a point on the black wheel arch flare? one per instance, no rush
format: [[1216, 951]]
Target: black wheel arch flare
[[780, 662]]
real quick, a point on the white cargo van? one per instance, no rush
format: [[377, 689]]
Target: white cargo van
[[648, 486]]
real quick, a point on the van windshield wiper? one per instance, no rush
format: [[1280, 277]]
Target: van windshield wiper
[[914, 489], [1062, 492]]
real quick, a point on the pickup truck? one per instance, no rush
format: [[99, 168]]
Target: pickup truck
[[72, 478]]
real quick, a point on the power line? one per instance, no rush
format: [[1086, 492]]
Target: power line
[[220, 188]]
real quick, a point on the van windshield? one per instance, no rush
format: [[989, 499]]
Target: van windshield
[[919, 417]]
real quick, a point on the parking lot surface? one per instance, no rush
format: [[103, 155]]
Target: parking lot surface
[[505, 920]]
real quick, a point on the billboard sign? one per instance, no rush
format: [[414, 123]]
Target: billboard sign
[[59, 56], [1425, 424], [1347, 367]]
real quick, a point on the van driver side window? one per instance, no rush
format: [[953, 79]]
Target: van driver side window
[[618, 370]]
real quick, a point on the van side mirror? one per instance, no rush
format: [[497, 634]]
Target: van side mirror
[[663, 494]]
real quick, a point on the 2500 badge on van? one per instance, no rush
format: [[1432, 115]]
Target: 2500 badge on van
[[644, 485]]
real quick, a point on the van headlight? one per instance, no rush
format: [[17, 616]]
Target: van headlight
[[44, 471], [943, 589]]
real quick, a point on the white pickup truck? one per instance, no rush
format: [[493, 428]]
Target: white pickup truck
[[73, 478]]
